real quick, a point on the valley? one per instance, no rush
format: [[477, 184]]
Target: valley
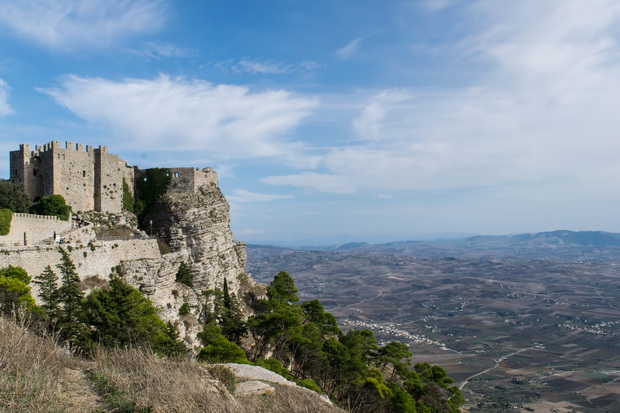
[[526, 333]]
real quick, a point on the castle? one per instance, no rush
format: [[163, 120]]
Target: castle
[[89, 178]]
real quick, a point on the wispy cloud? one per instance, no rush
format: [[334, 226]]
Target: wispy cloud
[[178, 114], [245, 196], [261, 67], [543, 109], [71, 24], [162, 50], [266, 67], [347, 51], [5, 109]]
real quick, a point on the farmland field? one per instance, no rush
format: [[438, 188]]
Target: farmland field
[[527, 334]]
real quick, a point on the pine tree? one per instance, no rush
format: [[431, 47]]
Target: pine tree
[[231, 317], [184, 275], [49, 295], [121, 316], [71, 298]]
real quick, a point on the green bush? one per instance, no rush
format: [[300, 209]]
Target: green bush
[[16, 272], [129, 202], [13, 197], [184, 310], [225, 376], [309, 384], [184, 275], [53, 205], [6, 216]]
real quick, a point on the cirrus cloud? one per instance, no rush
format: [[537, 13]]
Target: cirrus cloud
[[5, 109], [71, 24], [542, 110]]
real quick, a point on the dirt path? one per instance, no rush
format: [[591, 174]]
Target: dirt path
[[80, 394], [497, 363]]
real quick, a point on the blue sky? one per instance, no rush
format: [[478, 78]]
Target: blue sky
[[337, 119]]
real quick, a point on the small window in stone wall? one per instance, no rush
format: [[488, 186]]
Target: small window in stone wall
[[176, 174], [83, 173], [35, 171]]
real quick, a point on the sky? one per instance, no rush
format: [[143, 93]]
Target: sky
[[337, 120]]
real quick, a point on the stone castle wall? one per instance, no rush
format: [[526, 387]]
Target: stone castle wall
[[190, 179], [88, 178], [91, 261], [32, 229]]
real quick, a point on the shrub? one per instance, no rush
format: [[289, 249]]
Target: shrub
[[184, 275], [53, 205], [129, 201], [13, 197], [309, 384], [184, 310], [6, 216], [225, 376]]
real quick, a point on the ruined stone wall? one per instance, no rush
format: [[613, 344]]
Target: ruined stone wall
[[36, 228], [190, 179]]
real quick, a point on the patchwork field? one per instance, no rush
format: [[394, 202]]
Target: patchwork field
[[525, 334]]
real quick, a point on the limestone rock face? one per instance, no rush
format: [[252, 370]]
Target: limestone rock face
[[196, 227]]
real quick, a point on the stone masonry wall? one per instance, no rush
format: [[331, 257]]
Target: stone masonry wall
[[36, 228], [190, 179], [91, 261], [89, 179]]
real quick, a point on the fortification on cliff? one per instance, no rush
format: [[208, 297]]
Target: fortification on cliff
[[191, 218], [89, 178]]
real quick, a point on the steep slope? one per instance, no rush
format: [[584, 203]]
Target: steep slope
[[196, 228]]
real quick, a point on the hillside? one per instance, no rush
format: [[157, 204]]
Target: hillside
[[36, 376]]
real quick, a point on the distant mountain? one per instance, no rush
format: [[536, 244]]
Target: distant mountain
[[561, 244]]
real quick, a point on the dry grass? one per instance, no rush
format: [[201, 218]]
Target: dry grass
[[31, 371], [36, 376], [134, 380]]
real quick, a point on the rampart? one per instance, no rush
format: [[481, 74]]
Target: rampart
[[89, 178], [28, 229], [93, 260]]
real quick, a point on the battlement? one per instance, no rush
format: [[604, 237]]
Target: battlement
[[88, 178]]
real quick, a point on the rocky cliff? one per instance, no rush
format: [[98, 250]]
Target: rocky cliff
[[195, 226]]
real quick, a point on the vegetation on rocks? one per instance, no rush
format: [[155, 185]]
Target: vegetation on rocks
[[353, 368], [6, 216]]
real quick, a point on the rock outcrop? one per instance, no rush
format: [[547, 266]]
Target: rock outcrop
[[195, 227]]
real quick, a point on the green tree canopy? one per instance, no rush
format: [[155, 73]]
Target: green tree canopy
[[217, 348], [13, 197], [15, 272], [15, 296], [122, 316], [53, 205], [49, 295], [282, 288]]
